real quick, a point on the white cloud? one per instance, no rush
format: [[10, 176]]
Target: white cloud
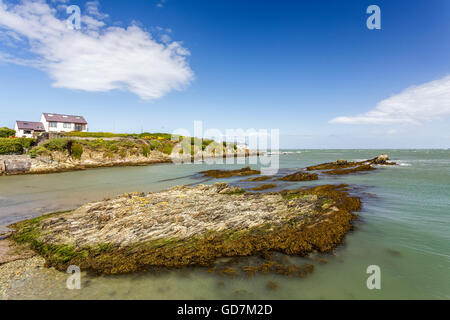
[[413, 105], [92, 8], [95, 58], [161, 3]]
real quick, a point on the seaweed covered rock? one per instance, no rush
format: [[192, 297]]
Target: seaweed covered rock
[[247, 171], [189, 226], [300, 176], [256, 179], [341, 166], [361, 168], [265, 187]]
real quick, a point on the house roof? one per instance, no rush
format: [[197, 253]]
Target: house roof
[[30, 125], [53, 117]]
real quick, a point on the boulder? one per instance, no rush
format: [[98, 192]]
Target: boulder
[[341, 162], [13, 166], [381, 159]]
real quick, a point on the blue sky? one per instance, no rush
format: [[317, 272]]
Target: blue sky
[[288, 65]]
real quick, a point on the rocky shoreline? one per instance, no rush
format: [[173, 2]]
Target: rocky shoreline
[[60, 162], [61, 154]]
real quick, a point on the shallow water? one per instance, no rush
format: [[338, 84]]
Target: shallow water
[[403, 228]]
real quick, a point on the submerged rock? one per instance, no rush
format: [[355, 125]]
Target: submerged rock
[[256, 179], [272, 286], [247, 171], [300, 176], [265, 187], [361, 168], [189, 226]]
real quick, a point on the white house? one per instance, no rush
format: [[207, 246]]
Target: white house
[[53, 122], [27, 129]]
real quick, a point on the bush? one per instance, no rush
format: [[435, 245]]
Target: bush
[[113, 148], [76, 151], [38, 151], [145, 150], [10, 146], [15, 145], [167, 148], [6, 132], [27, 143], [57, 144]]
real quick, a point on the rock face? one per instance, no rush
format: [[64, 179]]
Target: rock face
[[190, 226], [60, 162]]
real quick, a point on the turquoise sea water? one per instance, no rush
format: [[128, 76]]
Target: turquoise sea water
[[404, 228]]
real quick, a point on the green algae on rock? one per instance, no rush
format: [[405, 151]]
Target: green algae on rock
[[300, 176], [256, 179], [341, 166], [190, 226], [265, 187], [361, 168], [247, 171]]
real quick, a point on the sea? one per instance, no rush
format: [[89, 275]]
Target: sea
[[403, 229]]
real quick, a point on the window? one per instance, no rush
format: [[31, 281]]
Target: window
[[78, 127], [67, 125], [52, 124]]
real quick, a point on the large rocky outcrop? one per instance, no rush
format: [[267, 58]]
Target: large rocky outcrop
[[189, 226]]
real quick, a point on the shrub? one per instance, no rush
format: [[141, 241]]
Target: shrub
[[15, 145], [6, 132], [10, 146], [154, 145], [76, 151], [167, 148], [38, 151], [145, 150], [126, 143], [57, 144], [27, 143], [108, 155], [113, 148], [123, 153]]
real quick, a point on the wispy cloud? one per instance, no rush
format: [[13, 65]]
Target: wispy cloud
[[414, 105], [97, 57], [161, 3]]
